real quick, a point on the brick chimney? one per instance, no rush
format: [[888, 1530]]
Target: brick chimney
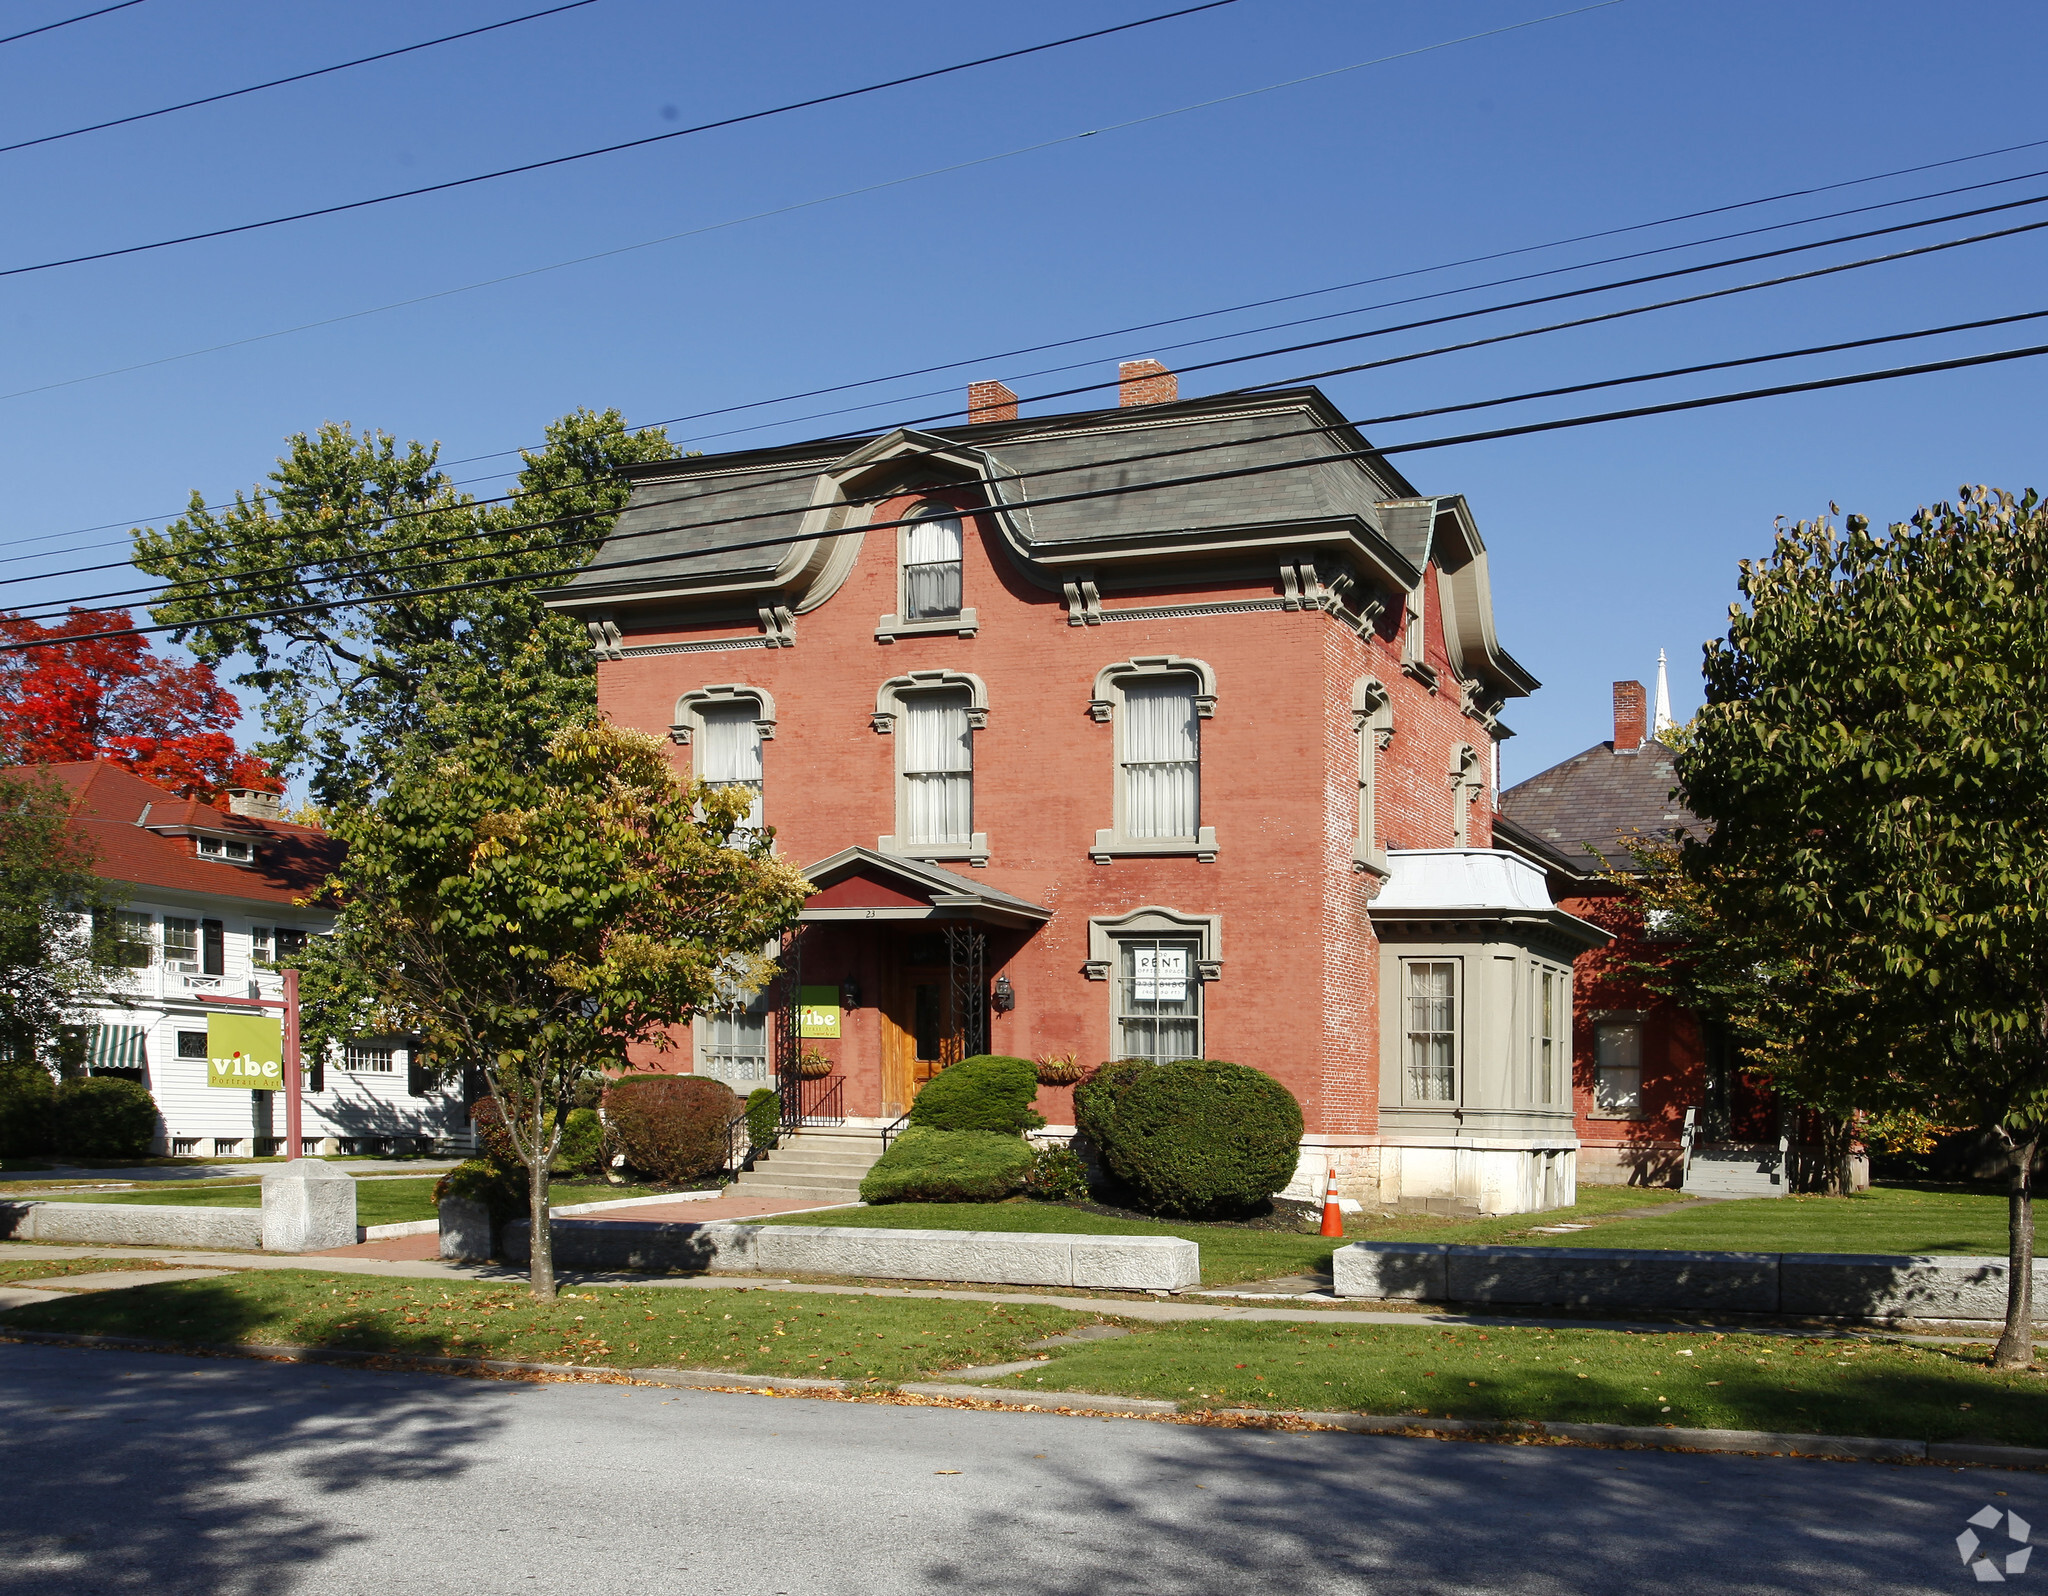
[[990, 401], [1145, 382], [1631, 717]]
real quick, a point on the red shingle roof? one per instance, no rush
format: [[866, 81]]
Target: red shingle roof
[[1597, 800], [121, 814]]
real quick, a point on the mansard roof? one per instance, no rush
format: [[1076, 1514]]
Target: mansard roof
[[1279, 474]]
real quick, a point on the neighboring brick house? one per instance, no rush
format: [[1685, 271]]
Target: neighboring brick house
[[213, 898], [1202, 769], [1640, 1060]]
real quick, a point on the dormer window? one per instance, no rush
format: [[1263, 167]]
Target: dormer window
[[228, 848], [931, 565]]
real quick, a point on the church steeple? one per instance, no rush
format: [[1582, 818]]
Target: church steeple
[[1661, 722]]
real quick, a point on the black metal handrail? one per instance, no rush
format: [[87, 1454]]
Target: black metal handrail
[[738, 1152], [815, 1102], [894, 1129]]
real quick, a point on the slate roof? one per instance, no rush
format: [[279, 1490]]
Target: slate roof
[[122, 816], [778, 485], [1598, 798]]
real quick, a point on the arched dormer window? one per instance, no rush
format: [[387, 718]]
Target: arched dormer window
[[930, 585], [1372, 720]]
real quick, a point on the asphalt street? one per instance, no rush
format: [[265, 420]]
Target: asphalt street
[[131, 1471]]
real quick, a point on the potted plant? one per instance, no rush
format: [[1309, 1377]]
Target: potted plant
[[1059, 1069], [812, 1064]]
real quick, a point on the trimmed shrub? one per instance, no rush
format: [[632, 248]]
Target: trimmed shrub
[[502, 1188], [764, 1118], [948, 1166], [671, 1127], [582, 1149], [1057, 1174], [104, 1118], [985, 1093], [1198, 1139], [27, 1098]]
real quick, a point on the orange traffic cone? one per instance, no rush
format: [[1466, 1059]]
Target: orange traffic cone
[[1333, 1216]]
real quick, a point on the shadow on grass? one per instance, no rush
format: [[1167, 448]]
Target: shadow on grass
[[138, 1471]]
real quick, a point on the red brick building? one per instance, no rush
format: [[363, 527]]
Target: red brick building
[[1159, 731], [1639, 1059]]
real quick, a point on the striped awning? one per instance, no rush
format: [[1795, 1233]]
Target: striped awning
[[117, 1047]]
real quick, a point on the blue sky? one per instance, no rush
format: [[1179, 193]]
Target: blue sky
[[1607, 543]]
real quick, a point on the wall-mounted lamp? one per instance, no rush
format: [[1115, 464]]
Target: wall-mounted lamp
[[849, 994], [1005, 998]]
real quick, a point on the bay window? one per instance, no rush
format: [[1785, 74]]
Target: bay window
[[1432, 1030]]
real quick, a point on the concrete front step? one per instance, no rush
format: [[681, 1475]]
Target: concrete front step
[[824, 1197]]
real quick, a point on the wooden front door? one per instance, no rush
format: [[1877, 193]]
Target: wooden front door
[[915, 1029]]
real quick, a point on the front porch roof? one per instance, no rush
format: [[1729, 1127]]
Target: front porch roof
[[860, 884]]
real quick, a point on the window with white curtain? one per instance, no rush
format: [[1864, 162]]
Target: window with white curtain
[[938, 769], [1432, 1000], [735, 1043], [1162, 759], [729, 751], [931, 566], [1618, 1068]]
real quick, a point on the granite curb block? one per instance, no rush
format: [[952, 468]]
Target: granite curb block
[[1014, 1258], [137, 1225], [412, 1227], [1955, 1289], [1624, 1436]]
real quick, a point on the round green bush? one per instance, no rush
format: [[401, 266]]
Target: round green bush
[[985, 1093], [671, 1127], [27, 1098], [944, 1166], [1194, 1140], [104, 1118]]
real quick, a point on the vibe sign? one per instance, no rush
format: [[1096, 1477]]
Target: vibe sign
[[244, 1052], [818, 1011]]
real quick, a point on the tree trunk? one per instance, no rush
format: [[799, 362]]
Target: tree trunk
[[540, 1271], [2015, 1349]]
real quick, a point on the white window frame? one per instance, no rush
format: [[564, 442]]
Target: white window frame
[[888, 711], [231, 850], [1107, 708], [1605, 1102], [711, 1060], [136, 928], [687, 729], [1550, 1035], [1468, 782], [180, 965], [1122, 1010], [1411, 1096], [361, 1058], [962, 624], [1372, 723]]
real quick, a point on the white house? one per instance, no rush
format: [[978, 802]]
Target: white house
[[213, 897]]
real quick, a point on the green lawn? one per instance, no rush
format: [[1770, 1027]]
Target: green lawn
[[1584, 1376], [378, 1202], [15, 1270], [751, 1332], [1886, 1219], [1231, 1254]]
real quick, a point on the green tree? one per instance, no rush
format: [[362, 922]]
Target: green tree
[[1870, 759], [60, 951], [348, 691], [534, 921]]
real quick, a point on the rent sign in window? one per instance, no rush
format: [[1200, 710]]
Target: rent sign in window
[[244, 1052]]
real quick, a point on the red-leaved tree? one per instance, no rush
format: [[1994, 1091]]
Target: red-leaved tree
[[112, 698]]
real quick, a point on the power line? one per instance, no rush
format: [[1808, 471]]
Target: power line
[[1440, 320], [1670, 407], [961, 166], [1390, 360], [612, 149], [83, 16], [276, 83]]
